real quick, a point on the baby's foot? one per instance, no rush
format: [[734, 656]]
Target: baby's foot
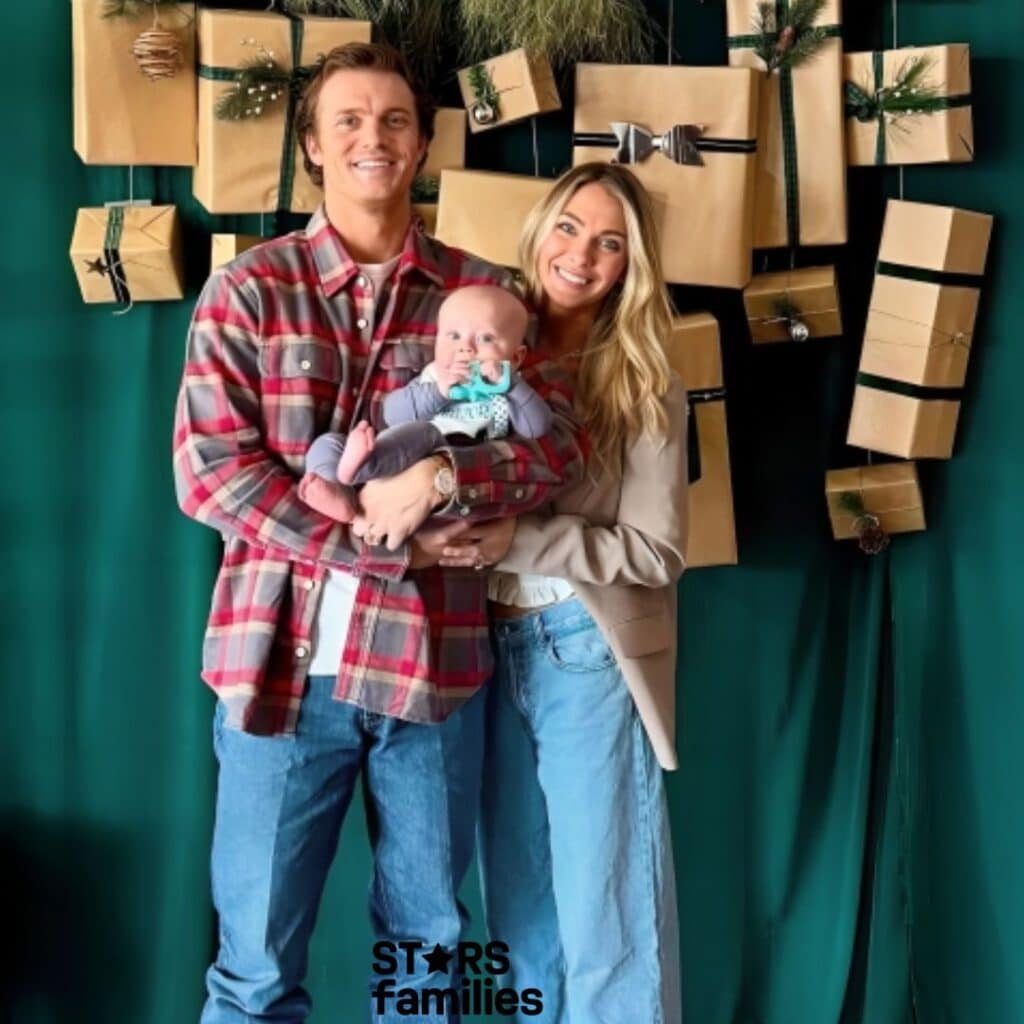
[[358, 446], [336, 501]]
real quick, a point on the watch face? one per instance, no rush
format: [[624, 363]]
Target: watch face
[[445, 482]]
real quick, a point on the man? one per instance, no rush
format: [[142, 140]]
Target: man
[[331, 655]]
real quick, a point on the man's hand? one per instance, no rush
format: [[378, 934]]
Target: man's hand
[[393, 508], [426, 545], [480, 546]]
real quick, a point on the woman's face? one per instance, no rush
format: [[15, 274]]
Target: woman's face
[[585, 253]]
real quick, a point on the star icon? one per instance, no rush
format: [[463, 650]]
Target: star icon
[[96, 266], [437, 959]]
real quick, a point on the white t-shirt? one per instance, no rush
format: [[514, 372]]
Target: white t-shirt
[[339, 588]]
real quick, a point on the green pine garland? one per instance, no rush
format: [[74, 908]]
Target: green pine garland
[[793, 42], [486, 94], [262, 83], [565, 31]]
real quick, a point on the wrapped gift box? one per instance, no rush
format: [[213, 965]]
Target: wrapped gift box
[[254, 165], [224, 248], [919, 330], [889, 491], [128, 254], [793, 305], [483, 212], [522, 82], [121, 116], [703, 193], [941, 136], [801, 157], [695, 353], [447, 151]]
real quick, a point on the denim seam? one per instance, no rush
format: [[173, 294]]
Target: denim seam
[[639, 754]]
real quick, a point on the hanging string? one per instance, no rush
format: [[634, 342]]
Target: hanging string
[[131, 184], [536, 149], [263, 224], [895, 46], [671, 29]]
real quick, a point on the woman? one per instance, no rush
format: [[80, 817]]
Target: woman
[[575, 848]]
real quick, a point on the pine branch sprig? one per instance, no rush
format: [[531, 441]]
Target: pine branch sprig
[[261, 84], [795, 41], [911, 93]]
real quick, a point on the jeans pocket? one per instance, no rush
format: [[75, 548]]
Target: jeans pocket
[[579, 646]]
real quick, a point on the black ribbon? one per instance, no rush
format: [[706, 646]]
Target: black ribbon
[[694, 468], [901, 387], [110, 265], [947, 278]]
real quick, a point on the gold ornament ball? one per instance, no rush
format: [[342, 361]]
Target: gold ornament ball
[[159, 54]]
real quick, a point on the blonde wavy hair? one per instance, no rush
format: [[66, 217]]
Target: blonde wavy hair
[[624, 373]]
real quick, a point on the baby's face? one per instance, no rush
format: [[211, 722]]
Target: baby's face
[[474, 325]]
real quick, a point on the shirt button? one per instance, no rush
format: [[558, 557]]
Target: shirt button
[[300, 651], [305, 364], [463, 511], [472, 492], [361, 281], [361, 323], [520, 492], [310, 584], [355, 390]]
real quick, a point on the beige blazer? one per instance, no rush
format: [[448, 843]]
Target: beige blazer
[[619, 537]]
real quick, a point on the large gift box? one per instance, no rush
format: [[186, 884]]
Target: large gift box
[[801, 157], [508, 88], [793, 305], [695, 353], [224, 248], [128, 254], [483, 212], [447, 151], [690, 135], [919, 330], [121, 116], [909, 106], [889, 493], [254, 164]]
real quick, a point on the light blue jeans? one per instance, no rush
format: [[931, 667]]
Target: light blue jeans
[[280, 806], [576, 855]]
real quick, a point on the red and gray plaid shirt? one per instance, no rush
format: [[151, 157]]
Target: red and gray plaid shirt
[[287, 342]]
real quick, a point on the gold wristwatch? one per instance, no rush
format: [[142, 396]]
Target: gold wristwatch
[[444, 480]]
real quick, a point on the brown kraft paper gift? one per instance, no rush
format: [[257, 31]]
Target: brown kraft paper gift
[[800, 200], [708, 116], [919, 330], [694, 352], [889, 491], [255, 165], [524, 84], [121, 117], [793, 305]]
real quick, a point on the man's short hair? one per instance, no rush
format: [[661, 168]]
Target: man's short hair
[[357, 57]]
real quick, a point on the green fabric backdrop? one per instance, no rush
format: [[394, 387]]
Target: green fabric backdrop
[[847, 817]]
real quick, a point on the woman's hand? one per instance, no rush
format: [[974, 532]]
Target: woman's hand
[[480, 546], [428, 545], [394, 507]]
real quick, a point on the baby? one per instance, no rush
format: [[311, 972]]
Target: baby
[[469, 391]]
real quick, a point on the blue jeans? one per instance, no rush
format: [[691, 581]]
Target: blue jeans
[[576, 855], [280, 806]]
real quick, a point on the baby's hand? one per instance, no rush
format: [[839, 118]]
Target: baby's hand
[[447, 378], [490, 370]]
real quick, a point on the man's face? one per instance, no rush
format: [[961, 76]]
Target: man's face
[[367, 137]]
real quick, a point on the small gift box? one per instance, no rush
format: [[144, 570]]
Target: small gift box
[[919, 330], [447, 151], [128, 254], [801, 159], [508, 88], [122, 115], [793, 305], [483, 212], [694, 352], [910, 106], [690, 135], [870, 502], [252, 64], [224, 248]]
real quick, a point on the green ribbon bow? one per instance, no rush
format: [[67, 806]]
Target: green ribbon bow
[[295, 81], [789, 145]]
